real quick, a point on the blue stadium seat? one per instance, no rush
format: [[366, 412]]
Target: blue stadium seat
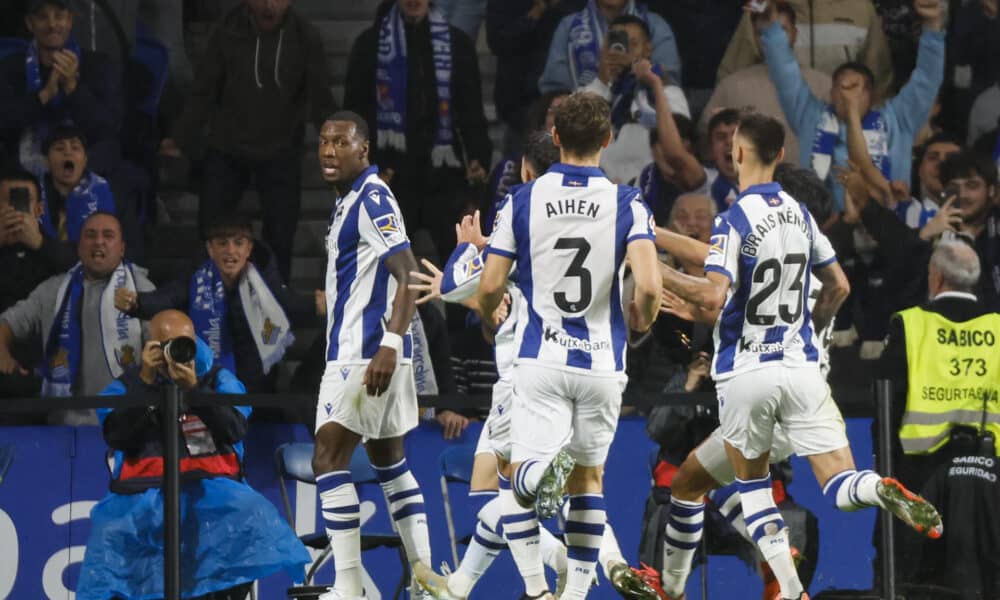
[[293, 461]]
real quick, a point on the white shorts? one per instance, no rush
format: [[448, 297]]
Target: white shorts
[[555, 409], [343, 400], [495, 436], [753, 405]]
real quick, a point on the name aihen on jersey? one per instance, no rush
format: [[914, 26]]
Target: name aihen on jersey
[[766, 244], [568, 231], [365, 229]]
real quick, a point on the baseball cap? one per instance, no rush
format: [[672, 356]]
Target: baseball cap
[[36, 5]]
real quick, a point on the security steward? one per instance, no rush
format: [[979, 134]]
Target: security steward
[[944, 361]]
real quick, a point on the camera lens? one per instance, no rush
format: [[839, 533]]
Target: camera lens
[[180, 350]]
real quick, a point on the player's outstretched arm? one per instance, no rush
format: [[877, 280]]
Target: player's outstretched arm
[[685, 248], [641, 254], [831, 296], [707, 294], [382, 366], [493, 282]]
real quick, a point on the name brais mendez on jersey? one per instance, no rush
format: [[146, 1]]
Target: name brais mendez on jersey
[[789, 215]]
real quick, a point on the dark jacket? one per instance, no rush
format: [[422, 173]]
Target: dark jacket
[[301, 310], [136, 432], [468, 118], [521, 45], [95, 106], [701, 28], [914, 469], [21, 269], [907, 256], [251, 89]]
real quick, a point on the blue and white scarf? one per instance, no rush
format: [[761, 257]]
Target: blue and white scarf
[[92, 194], [586, 38], [828, 134], [423, 366], [35, 133], [121, 335], [391, 86], [269, 325], [623, 95], [506, 175], [651, 184]]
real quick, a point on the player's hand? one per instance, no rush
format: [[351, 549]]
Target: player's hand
[[643, 71], [469, 230], [698, 371], [930, 13], [9, 364], [501, 313], [379, 371], [183, 374], [452, 424], [672, 304], [475, 173], [125, 300], [429, 285], [152, 361], [949, 218], [319, 297]]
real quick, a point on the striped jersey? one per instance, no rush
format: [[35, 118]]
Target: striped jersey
[[459, 281], [365, 228], [767, 245], [568, 231]]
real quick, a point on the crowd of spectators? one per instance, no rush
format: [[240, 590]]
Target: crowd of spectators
[[888, 102]]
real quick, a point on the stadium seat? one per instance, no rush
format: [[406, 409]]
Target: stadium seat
[[456, 468], [6, 460], [293, 461]]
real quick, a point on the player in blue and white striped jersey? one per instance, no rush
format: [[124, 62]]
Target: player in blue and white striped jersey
[[367, 393], [570, 232], [762, 254], [491, 468]]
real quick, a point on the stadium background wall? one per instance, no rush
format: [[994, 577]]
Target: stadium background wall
[[59, 473]]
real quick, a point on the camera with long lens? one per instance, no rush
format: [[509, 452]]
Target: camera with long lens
[[179, 349]]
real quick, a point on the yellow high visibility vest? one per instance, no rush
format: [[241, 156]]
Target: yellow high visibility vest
[[951, 368]]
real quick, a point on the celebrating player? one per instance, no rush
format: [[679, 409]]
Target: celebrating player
[[367, 393], [762, 255], [570, 232]]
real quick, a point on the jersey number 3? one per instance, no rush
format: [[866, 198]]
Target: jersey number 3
[[575, 269], [769, 273]]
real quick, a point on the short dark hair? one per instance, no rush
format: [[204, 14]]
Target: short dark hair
[[229, 224], [360, 125], [943, 137], [583, 122], [857, 67], [685, 128], [967, 163], [104, 213], [540, 108], [783, 8], [66, 131], [766, 134], [807, 188], [540, 151], [627, 19], [726, 116], [16, 173]]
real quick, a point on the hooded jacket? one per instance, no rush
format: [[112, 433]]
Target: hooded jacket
[[252, 88]]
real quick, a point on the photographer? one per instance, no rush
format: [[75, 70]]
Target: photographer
[[231, 535]]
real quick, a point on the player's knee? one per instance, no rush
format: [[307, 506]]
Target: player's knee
[[333, 452], [690, 482], [385, 453]]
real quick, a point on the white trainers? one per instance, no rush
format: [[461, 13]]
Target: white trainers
[[334, 594]]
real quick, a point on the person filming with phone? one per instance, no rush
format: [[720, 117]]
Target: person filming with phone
[[27, 256], [641, 93], [230, 534]]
